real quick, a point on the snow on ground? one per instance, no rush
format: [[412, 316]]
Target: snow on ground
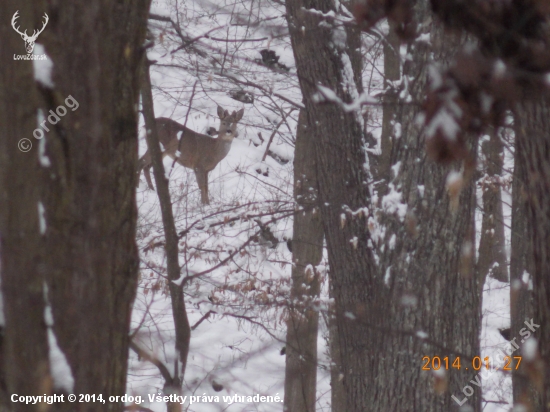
[[497, 387], [238, 347]]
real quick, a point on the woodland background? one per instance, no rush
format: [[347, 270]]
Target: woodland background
[[387, 199]]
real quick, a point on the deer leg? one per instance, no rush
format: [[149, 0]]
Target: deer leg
[[202, 180], [144, 164], [147, 173]]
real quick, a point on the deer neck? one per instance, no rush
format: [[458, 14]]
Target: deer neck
[[224, 143]]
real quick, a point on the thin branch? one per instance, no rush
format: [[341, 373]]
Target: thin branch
[[236, 40], [184, 125], [189, 278], [262, 88], [205, 316], [142, 353], [275, 131]]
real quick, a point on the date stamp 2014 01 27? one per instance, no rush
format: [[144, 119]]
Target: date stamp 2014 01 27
[[437, 363]]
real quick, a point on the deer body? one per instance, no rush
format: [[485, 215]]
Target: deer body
[[197, 151]]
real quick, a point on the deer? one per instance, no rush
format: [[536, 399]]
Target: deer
[[29, 40], [193, 150]]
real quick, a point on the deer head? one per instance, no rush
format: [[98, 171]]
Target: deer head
[[29, 40], [228, 123]]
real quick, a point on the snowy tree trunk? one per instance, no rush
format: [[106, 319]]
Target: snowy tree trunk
[[179, 311], [91, 259], [337, 391], [521, 272], [533, 169], [307, 251], [392, 72], [426, 259], [321, 56]]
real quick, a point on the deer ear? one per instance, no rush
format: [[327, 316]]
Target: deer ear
[[239, 115], [221, 114]]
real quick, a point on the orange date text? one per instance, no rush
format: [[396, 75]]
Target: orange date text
[[436, 363]]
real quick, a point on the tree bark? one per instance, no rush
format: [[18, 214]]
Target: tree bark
[[307, 251], [337, 391], [532, 169], [179, 312], [426, 255], [521, 272], [24, 367], [322, 59], [91, 261], [392, 72]]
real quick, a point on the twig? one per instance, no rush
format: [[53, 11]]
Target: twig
[[189, 278], [184, 125], [235, 40], [206, 316], [275, 131], [153, 359]]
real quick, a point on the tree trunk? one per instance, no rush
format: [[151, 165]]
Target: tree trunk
[[91, 255], [392, 72], [24, 368], [337, 392], [492, 256], [533, 168], [322, 59], [338, 398], [521, 272], [179, 312], [307, 250], [426, 254]]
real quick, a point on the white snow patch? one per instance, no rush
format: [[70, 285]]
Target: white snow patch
[[59, 367], [421, 334], [391, 203], [453, 177], [40, 117], [529, 349], [339, 37], [499, 68], [41, 218], [349, 315], [397, 130], [391, 243], [42, 68], [42, 156], [387, 276], [395, 168], [326, 94], [440, 373], [486, 102], [527, 280], [425, 38], [445, 122]]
